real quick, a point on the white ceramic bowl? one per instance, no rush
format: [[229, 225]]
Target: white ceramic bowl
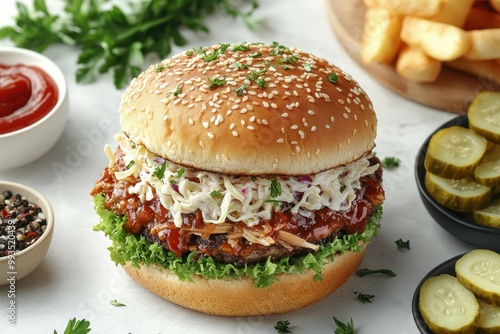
[[26, 145], [28, 259]]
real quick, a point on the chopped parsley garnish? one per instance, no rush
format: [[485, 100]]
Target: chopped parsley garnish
[[332, 77], [344, 328], [275, 187], [282, 326], [216, 194], [216, 81], [159, 171], [159, 68], [364, 272], [390, 162], [240, 47], [279, 49], [239, 91], [177, 90], [255, 54], [238, 65], [77, 327], [364, 297], [402, 244], [116, 303], [215, 53], [256, 74], [261, 82], [180, 172], [288, 60], [130, 164]]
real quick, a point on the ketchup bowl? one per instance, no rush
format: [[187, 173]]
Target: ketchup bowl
[[34, 106]]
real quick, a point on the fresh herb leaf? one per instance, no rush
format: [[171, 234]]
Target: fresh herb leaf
[[364, 297], [402, 244], [344, 328], [261, 82], [117, 38], [216, 194], [332, 77], [239, 66], [255, 54], [239, 91], [130, 164], [279, 49], [180, 172], [275, 187], [77, 327], [366, 271], [159, 68], [390, 162], [282, 326], [176, 91], [256, 74], [159, 171], [216, 81], [215, 53], [116, 303], [240, 47]]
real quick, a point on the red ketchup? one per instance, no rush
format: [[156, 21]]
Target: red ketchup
[[27, 94]]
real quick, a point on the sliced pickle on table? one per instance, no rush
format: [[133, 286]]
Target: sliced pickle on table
[[489, 318], [488, 171], [464, 195], [479, 271], [447, 306], [489, 216], [454, 152], [484, 115]]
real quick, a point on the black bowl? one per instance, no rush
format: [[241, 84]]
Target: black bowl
[[458, 224], [447, 267]]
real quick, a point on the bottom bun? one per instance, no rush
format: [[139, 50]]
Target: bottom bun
[[239, 297]]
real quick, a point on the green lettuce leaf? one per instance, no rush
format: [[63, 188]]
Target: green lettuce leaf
[[126, 247]]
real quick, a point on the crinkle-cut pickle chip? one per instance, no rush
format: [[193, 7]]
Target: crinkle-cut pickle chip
[[447, 306], [479, 271], [484, 115], [489, 318], [488, 171], [489, 216], [454, 152], [464, 195]]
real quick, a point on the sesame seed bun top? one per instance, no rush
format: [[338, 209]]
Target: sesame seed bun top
[[249, 109]]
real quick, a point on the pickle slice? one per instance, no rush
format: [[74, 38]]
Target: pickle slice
[[447, 306], [464, 195], [479, 271], [484, 115], [488, 216], [454, 152], [489, 319], [488, 171]]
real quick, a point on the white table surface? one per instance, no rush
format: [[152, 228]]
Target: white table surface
[[77, 277]]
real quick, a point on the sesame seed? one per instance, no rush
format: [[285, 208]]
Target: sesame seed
[[265, 104], [274, 105], [191, 121], [235, 133], [294, 127], [301, 134], [332, 119], [313, 128], [205, 124], [201, 143], [310, 112], [280, 140], [231, 126], [210, 135], [317, 151], [249, 127]]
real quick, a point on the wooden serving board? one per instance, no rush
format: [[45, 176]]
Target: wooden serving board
[[453, 91]]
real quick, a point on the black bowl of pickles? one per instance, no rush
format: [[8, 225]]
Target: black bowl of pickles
[[457, 171]]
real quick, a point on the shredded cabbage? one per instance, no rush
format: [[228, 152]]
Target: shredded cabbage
[[240, 198]]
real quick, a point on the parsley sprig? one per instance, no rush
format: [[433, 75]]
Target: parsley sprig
[[282, 326], [116, 39], [77, 327], [344, 328]]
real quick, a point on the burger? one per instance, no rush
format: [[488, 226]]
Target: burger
[[243, 181]]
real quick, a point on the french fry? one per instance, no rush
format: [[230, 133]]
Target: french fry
[[421, 8], [481, 18], [380, 41], [485, 44], [495, 4], [454, 12], [439, 40], [489, 70], [415, 65]]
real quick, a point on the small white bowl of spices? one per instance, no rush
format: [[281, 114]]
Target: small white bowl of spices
[[26, 228]]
